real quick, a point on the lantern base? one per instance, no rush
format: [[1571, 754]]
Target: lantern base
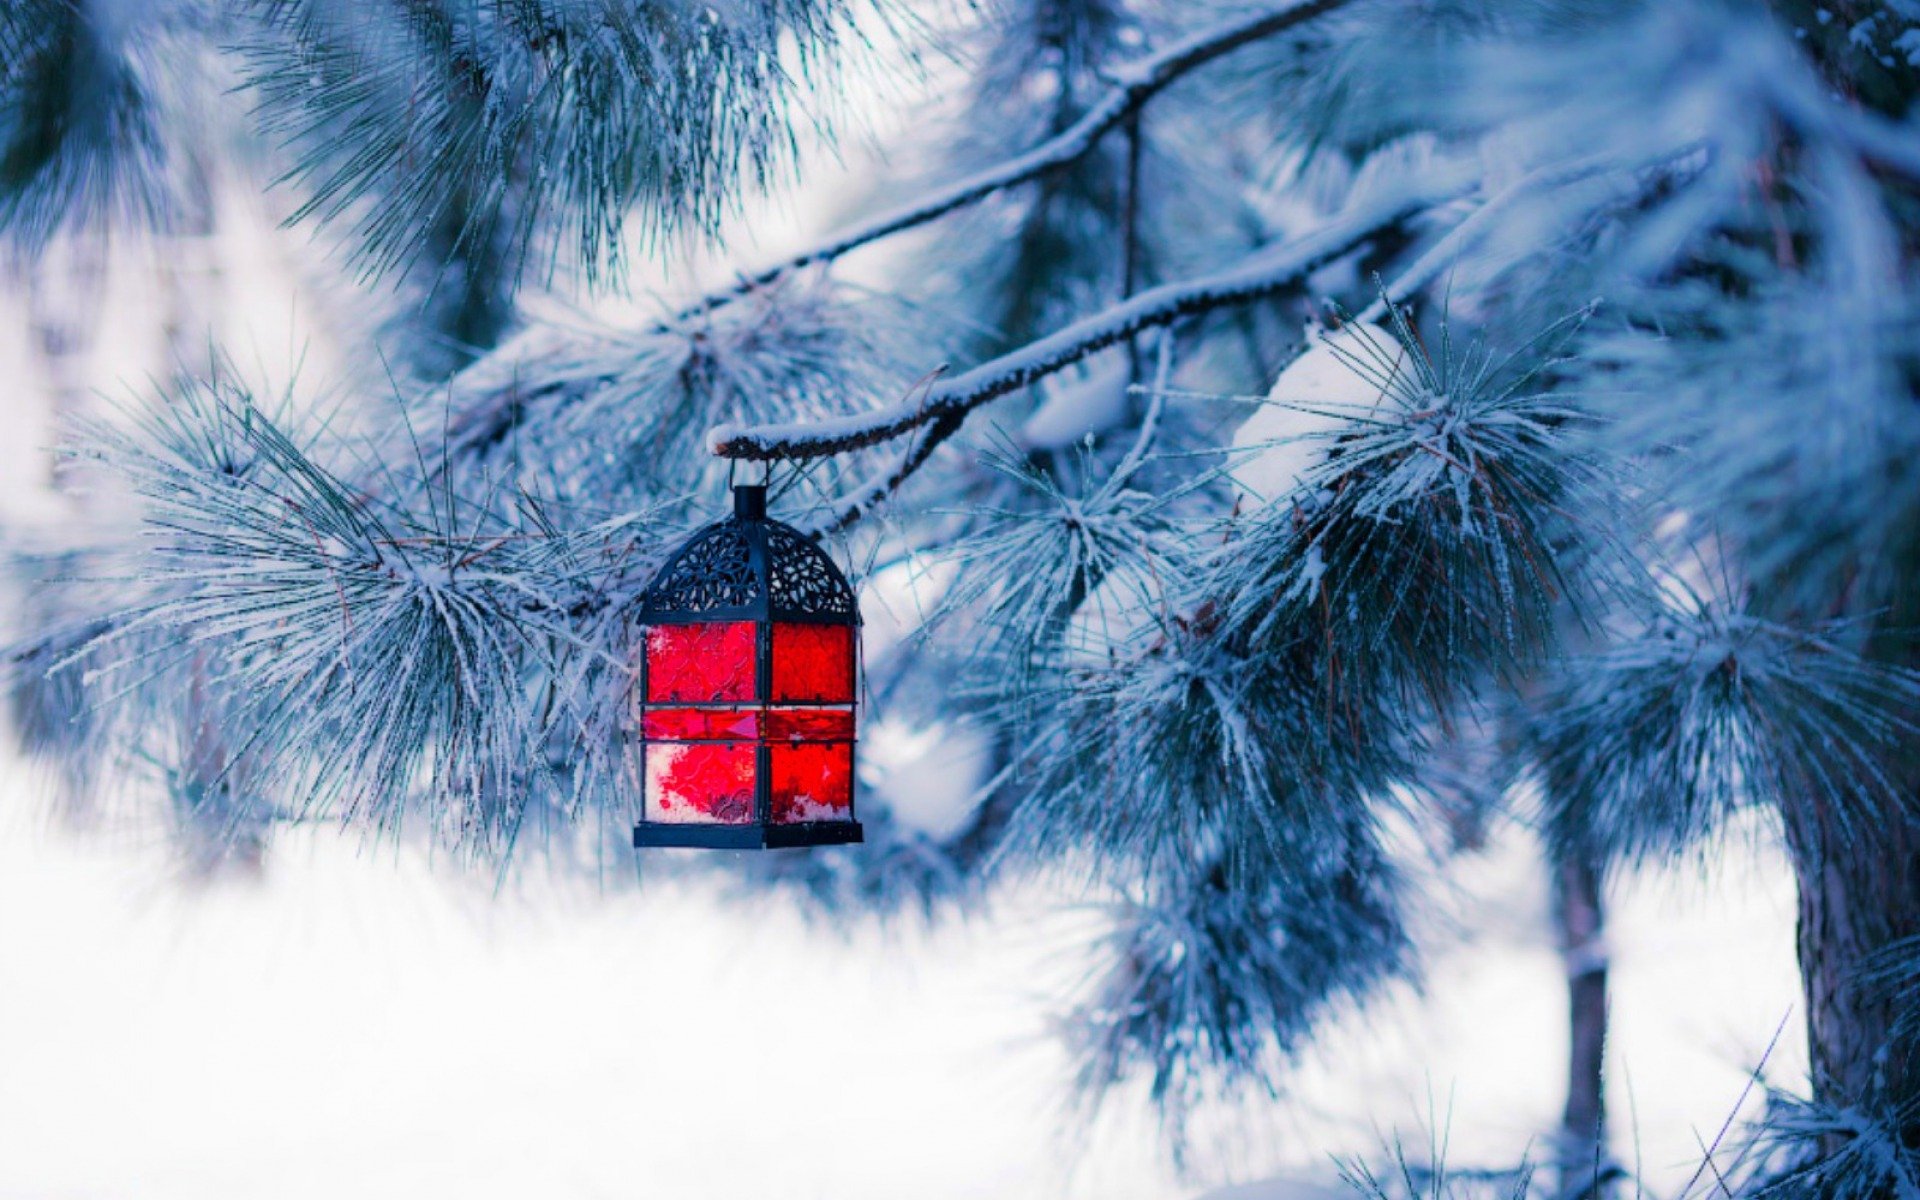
[[747, 837]]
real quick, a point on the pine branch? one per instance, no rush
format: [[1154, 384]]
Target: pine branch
[[1714, 710], [1263, 274], [609, 415], [868, 496], [1206, 988], [1453, 523], [344, 656], [1135, 85], [89, 117], [533, 127]]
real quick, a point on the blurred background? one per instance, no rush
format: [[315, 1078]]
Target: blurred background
[[365, 1020]]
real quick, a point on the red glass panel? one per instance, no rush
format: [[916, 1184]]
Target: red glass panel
[[700, 724], [701, 664], [812, 782], [813, 663], [708, 783], [809, 724]]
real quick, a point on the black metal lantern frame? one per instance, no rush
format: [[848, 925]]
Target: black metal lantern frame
[[751, 569]]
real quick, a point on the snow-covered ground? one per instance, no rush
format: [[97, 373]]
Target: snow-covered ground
[[361, 1022]]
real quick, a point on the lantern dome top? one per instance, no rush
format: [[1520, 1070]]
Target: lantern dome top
[[749, 567]]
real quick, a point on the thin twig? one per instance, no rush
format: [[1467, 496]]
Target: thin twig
[[1149, 424], [1263, 274], [1457, 240], [1130, 237], [1136, 83], [857, 505], [943, 409]]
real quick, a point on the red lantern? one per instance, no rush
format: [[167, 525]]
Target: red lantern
[[745, 697]]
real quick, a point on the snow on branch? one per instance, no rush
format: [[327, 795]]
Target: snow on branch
[[1136, 83], [1262, 274]]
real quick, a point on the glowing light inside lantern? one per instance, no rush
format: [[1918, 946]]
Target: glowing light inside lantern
[[812, 662], [700, 783], [812, 781], [701, 664]]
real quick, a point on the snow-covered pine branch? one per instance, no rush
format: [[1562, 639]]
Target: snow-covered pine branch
[[1269, 271], [1714, 711], [1209, 990], [1448, 249], [613, 416], [356, 659], [102, 117]]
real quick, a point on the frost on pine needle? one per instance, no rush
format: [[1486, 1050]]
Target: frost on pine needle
[[1047, 574], [51, 711], [1719, 404], [353, 655], [605, 416], [1209, 983], [1429, 540], [1803, 1149], [91, 119], [113, 741], [546, 121], [1651, 744], [1189, 742]]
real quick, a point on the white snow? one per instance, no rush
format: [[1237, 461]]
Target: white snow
[[1088, 399], [1312, 401], [380, 1026], [930, 776], [1261, 273]]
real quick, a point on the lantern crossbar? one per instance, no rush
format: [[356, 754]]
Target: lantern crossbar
[[665, 834]]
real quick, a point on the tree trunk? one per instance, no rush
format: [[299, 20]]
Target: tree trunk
[[1580, 915], [1858, 894]]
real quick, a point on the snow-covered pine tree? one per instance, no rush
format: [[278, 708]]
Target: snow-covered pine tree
[[1604, 449]]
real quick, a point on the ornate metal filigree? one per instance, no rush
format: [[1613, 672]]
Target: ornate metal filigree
[[715, 570], [802, 579]]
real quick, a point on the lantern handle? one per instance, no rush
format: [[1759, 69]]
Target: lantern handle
[[733, 466]]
